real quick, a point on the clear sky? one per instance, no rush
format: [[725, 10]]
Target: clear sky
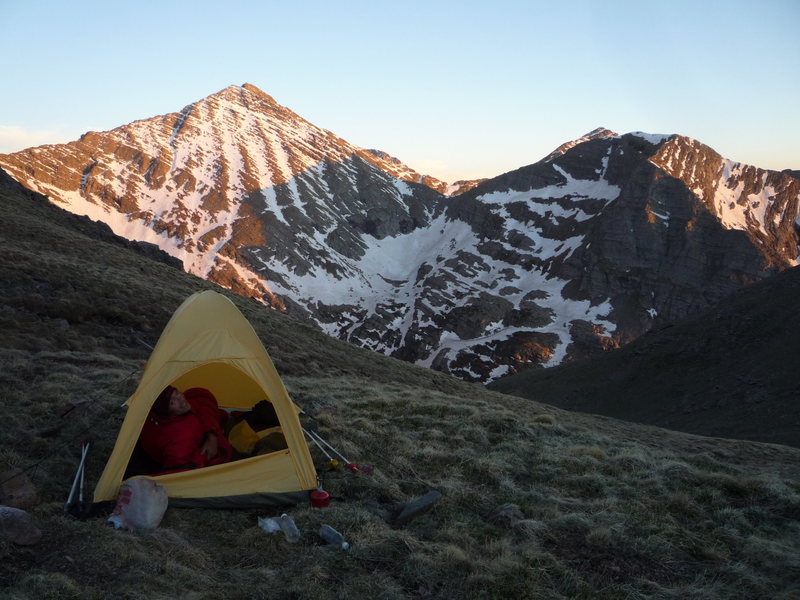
[[455, 89]]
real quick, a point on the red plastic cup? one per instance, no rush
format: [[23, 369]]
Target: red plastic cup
[[320, 499]]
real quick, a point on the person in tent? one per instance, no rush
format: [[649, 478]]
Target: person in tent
[[184, 431]]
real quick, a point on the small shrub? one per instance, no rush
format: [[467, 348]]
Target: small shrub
[[573, 524], [592, 451], [601, 536], [585, 486], [681, 503], [544, 419]]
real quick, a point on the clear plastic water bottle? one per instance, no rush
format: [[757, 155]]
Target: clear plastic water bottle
[[289, 528], [333, 537]]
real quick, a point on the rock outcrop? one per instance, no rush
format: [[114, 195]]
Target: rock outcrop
[[18, 527]]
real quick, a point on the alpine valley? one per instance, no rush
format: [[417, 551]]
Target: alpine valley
[[585, 250]]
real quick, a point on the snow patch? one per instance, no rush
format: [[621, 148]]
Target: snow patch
[[735, 210], [653, 138]]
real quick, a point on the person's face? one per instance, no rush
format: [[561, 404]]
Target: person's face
[[178, 405]]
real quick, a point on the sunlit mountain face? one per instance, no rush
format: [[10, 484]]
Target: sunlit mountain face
[[605, 238]]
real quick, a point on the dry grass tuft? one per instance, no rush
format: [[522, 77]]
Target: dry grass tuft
[[591, 451], [544, 419]]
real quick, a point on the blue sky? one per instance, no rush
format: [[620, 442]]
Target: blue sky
[[455, 89]]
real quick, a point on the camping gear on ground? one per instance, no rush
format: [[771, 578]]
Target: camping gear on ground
[[141, 504], [317, 439], [208, 343], [333, 537], [415, 508], [253, 427], [320, 498], [269, 524], [284, 523], [289, 528], [332, 462], [243, 438], [78, 484], [271, 440], [262, 416]]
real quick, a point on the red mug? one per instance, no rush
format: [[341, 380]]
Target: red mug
[[320, 499]]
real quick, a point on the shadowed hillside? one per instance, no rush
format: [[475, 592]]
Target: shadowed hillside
[[728, 372], [602, 508]]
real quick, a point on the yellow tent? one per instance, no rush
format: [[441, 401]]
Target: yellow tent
[[208, 343]]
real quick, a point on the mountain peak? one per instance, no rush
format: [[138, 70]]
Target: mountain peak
[[599, 132], [655, 138], [243, 94], [258, 92], [594, 134]]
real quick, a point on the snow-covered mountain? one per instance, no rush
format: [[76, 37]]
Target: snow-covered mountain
[[582, 251]]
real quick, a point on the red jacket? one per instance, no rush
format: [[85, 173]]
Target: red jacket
[[174, 442]]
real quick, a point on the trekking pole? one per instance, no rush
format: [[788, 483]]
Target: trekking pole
[[350, 465], [78, 476], [332, 462], [83, 473]]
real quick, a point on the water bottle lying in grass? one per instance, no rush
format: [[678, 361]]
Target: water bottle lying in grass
[[289, 528], [284, 523], [333, 537]]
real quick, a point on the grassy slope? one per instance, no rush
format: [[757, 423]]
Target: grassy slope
[[611, 509], [729, 371]]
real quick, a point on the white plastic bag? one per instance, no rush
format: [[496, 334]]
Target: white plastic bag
[[283, 523], [141, 504], [269, 525]]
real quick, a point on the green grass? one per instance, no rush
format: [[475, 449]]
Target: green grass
[[603, 517], [610, 509]]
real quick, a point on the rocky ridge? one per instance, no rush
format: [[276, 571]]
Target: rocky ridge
[[727, 371], [580, 252]]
